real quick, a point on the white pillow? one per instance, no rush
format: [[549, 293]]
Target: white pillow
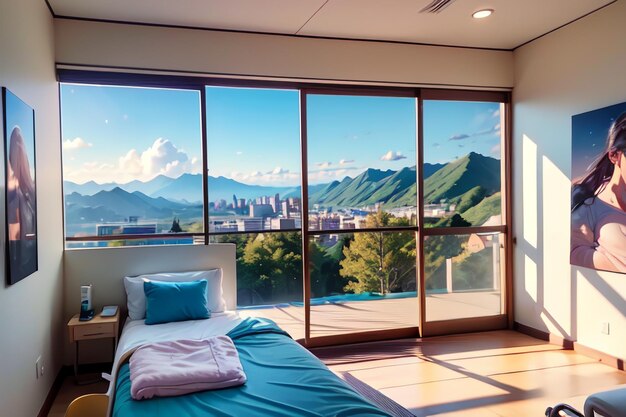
[[136, 298]]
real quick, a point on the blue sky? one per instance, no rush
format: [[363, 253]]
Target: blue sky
[[254, 135], [455, 128], [348, 134], [19, 114], [120, 134]]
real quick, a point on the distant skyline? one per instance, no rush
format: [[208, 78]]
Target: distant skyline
[[119, 134]]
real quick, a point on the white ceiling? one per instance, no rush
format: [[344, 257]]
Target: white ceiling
[[513, 23]]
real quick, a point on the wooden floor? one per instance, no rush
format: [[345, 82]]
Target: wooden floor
[[501, 373]]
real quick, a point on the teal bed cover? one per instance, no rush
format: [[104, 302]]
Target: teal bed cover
[[283, 380]]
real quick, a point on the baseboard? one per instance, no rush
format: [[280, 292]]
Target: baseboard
[[600, 356], [54, 391], [571, 345]]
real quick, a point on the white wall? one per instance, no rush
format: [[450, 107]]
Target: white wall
[[105, 269], [107, 44], [573, 70], [31, 310]]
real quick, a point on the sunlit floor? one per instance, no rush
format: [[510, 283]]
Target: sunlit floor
[[361, 316], [489, 374], [500, 373]]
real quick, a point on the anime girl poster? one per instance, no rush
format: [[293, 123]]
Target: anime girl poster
[[20, 187], [598, 207]]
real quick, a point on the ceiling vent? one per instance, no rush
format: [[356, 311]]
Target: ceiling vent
[[436, 6]]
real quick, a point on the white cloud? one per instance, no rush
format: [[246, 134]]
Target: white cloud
[[238, 153], [76, 143], [496, 149], [346, 161], [277, 176], [161, 158], [323, 164], [130, 163], [496, 113], [328, 175], [460, 136], [392, 156], [278, 171]]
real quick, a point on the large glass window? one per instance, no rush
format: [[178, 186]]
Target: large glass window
[[463, 275], [361, 160], [253, 138], [132, 164], [204, 164], [462, 163], [254, 192]]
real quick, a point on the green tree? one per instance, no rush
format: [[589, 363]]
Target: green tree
[[380, 262], [273, 261], [324, 269]]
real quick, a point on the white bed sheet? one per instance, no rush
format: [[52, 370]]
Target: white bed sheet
[[136, 333]]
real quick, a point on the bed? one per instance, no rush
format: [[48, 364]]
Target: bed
[[283, 378]]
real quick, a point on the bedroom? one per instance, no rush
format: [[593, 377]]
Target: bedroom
[[572, 70]]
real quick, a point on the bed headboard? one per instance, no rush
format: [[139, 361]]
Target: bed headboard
[[105, 268]]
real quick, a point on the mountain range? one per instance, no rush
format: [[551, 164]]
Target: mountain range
[[471, 182]]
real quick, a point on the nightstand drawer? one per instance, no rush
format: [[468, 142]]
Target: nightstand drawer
[[94, 331]]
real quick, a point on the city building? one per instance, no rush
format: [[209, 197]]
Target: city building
[[282, 223], [250, 224], [261, 210]]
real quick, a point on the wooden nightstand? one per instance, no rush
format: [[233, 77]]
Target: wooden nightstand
[[97, 328]]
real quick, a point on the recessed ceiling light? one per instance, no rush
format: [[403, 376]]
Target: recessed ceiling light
[[481, 14]]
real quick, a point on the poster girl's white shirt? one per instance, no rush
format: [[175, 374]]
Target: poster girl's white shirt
[[599, 236]]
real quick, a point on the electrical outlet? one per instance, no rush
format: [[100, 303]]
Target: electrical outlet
[[606, 328], [38, 364]]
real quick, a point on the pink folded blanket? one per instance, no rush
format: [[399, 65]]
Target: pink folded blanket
[[184, 366]]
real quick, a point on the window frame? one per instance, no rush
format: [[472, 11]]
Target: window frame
[[504, 320]]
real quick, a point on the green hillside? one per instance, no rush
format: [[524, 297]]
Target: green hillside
[[481, 212], [469, 199], [460, 176], [465, 182]]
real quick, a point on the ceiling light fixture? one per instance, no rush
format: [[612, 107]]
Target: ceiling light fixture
[[481, 14]]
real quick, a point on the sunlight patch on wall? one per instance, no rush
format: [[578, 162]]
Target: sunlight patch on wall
[[530, 277], [555, 193], [529, 190]]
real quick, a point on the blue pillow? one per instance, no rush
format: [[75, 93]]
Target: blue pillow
[[175, 301]]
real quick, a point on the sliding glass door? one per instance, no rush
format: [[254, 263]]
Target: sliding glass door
[[464, 212], [361, 197]]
